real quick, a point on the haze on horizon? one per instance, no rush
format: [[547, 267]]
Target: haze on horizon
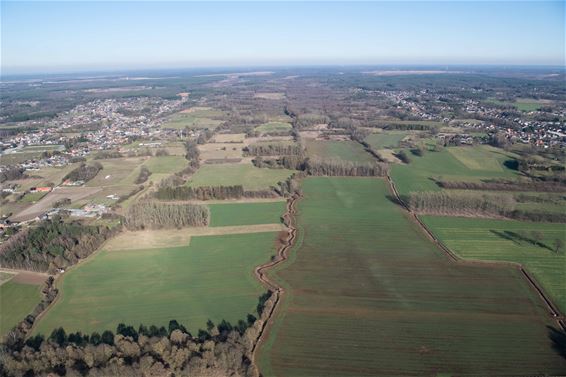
[[74, 36]]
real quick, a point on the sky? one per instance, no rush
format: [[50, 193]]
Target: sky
[[78, 35]]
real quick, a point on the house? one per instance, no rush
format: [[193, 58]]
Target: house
[[40, 189]]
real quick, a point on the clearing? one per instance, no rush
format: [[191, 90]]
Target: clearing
[[210, 278], [246, 213], [366, 293], [274, 127], [385, 139], [249, 176], [342, 150]]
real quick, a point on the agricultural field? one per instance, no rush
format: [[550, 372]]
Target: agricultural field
[[220, 151], [249, 176], [274, 127], [17, 299], [198, 118], [510, 241], [209, 278], [453, 163], [523, 104], [342, 150], [386, 139], [366, 293], [246, 213]]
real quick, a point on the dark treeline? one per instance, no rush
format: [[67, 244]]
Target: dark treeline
[[276, 149], [156, 215], [192, 154], [143, 175], [504, 186], [200, 193], [53, 244], [410, 126], [345, 168], [476, 204], [12, 173], [84, 172], [461, 203], [103, 155], [219, 350]]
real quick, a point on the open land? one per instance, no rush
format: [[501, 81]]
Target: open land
[[249, 176], [17, 299], [510, 241], [367, 293], [210, 278], [338, 150], [454, 163]]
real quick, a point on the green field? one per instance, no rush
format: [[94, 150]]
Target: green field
[[246, 213], [454, 163], [342, 150], [249, 176], [366, 293], [212, 277], [386, 139], [16, 301], [206, 118], [507, 240], [521, 104], [273, 127]]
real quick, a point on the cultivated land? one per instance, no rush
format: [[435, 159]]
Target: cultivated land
[[341, 150], [16, 301], [367, 293], [511, 241], [273, 127], [212, 277], [454, 163], [386, 139], [200, 118], [249, 176], [246, 213]]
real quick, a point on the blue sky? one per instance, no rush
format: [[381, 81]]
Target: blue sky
[[59, 36]]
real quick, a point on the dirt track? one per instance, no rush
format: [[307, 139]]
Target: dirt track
[[552, 308]]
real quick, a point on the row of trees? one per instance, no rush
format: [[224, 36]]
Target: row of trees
[[275, 149], [476, 203], [12, 173], [53, 244], [200, 193], [143, 175], [446, 202], [155, 215], [219, 350], [84, 172], [345, 168], [503, 185], [192, 154]]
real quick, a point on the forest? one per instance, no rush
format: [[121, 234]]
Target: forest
[[152, 214], [53, 244]]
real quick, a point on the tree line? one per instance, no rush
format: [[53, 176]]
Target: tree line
[[155, 215], [53, 244], [222, 349], [12, 173], [275, 149], [84, 172], [345, 168], [503, 185], [476, 204], [143, 175]]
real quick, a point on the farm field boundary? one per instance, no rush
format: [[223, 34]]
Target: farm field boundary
[[551, 306]]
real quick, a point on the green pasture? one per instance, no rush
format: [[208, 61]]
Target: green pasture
[[206, 118], [16, 301], [230, 214], [386, 139], [366, 293], [511, 241], [338, 150], [249, 176], [453, 163], [211, 278], [273, 127]]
